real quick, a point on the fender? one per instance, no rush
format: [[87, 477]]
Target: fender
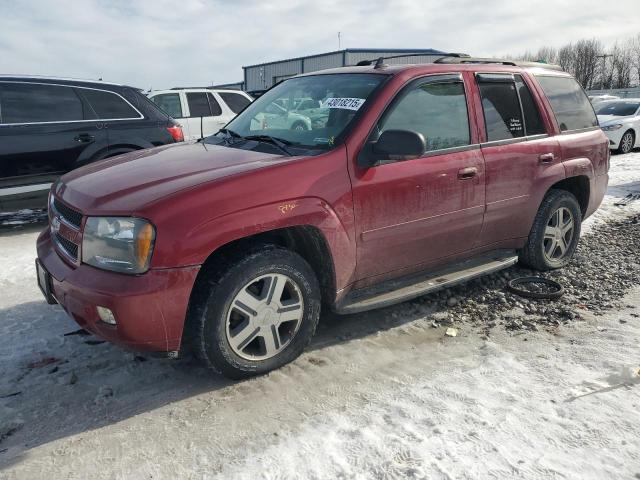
[[205, 238], [577, 167]]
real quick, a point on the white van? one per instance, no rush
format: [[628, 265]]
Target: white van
[[201, 111]]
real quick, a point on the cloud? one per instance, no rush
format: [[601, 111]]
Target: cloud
[[162, 43]]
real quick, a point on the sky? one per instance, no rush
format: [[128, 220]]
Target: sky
[[165, 43]]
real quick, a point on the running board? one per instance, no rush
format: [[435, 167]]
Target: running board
[[408, 288]]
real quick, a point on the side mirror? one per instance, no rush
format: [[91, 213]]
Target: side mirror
[[399, 145]]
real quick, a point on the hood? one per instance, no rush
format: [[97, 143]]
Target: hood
[[605, 120], [128, 182]]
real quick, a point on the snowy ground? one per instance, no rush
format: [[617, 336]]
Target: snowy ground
[[378, 395]]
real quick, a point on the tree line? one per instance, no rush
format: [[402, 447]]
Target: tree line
[[594, 65]]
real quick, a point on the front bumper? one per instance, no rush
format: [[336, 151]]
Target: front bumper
[[150, 309]]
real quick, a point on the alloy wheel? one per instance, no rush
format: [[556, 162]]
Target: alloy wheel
[[264, 317], [626, 144], [558, 234]]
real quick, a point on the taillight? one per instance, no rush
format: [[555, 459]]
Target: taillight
[[176, 133]]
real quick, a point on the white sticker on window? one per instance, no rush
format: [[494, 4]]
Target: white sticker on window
[[346, 103]]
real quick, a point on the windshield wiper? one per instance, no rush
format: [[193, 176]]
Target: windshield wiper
[[281, 143], [228, 135]]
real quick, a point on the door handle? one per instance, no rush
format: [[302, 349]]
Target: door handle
[[83, 138], [546, 158], [467, 173]]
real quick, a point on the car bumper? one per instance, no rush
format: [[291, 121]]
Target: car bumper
[[149, 309], [614, 136]]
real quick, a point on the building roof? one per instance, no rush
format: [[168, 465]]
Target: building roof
[[425, 51]]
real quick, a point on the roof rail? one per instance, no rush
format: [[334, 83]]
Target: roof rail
[[379, 62], [450, 59]]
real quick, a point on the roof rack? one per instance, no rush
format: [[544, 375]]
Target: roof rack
[[379, 62], [451, 59]]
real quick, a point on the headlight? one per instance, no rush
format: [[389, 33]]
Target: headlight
[[120, 244], [608, 128]]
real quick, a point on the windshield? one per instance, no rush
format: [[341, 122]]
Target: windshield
[[619, 109], [307, 112]]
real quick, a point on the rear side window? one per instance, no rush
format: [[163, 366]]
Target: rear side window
[[437, 110], [37, 103], [215, 106], [198, 104], [570, 104], [502, 114], [235, 101], [532, 121], [108, 105], [169, 103]]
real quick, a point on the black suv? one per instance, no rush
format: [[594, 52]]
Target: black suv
[[50, 126]]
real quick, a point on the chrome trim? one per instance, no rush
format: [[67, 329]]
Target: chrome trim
[[141, 116], [61, 217], [25, 189], [581, 130], [506, 141], [60, 248]]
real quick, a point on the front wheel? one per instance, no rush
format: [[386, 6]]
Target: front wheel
[[259, 314], [626, 142], [555, 233]]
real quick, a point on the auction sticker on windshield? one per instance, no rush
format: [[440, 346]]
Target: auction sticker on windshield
[[347, 103]]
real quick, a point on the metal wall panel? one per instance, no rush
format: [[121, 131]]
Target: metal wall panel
[[262, 77], [332, 60], [354, 57]]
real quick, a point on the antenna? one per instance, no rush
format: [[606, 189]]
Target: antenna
[[338, 40]]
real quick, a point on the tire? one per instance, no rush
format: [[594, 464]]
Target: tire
[[299, 126], [626, 142], [550, 244], [237, 326]]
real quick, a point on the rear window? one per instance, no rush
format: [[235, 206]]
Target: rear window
[[108, 105], [570, 104], [169, 103], [502, 114], [235, 101], [37, 103]]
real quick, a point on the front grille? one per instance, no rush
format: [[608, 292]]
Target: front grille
[[68, 214], [69, 247]]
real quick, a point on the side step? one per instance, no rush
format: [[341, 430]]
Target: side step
[[408, 288]]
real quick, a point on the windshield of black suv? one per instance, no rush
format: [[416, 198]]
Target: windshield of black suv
[[619, 109], [304, 112]]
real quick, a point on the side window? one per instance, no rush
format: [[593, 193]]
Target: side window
[[169, 103], [108, 105], [502, 114], [35, 103], [438, 110], [235, 101], [215, 106], [570, 104], [198, 104], [532, 121]]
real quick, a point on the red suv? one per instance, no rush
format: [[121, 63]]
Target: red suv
[[409, 178]]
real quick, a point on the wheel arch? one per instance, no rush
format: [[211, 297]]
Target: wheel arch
[[306, 240], [579, 186]]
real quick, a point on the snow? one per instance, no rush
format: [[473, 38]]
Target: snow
[[377, 395]]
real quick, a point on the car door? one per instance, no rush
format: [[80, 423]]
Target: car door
[[519, 156], [205, 114], [44, 130], [417, 212], [172, 104], [124, 123]]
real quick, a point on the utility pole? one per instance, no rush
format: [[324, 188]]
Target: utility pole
[[604, 57], [338, 40]]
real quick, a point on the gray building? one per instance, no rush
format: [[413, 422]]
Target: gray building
[[264, 75]]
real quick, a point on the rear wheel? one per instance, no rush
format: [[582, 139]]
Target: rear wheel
[[259, 314], [299, 127], [555, 233], [626, 142]]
